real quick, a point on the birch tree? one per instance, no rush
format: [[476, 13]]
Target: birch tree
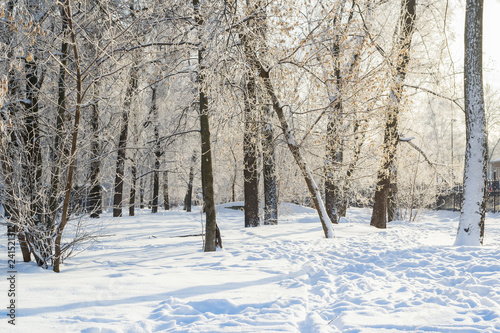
[[471, 223]]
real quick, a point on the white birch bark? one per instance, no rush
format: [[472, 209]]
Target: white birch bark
[[471, 224]]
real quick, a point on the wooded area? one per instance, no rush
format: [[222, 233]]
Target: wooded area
[[111, 104]]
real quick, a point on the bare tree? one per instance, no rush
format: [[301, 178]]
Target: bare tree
[[207, 180], [264, 75], [122, 141], [406, 28]]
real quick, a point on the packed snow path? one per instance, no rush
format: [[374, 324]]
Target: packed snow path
[[285, 278]]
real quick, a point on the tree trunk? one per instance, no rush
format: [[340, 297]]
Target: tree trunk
[[292, 145], [122, 143], [166, 201], [141, 194], [392, 204], [10, 148], [334, 158], [471, 224], [206, 152], [334, 153], [234, 177], [131, 204], [39, 238], [406, 28], [350, 171], [233, 186], [263, 74], [344, 69], [32, 136], [250, 169], [59, 151], [10, 206], [157, 152], [269, 171], [251, 111], [326, 223], [69, 180], [156, 186], [188, 199], [95, 196]]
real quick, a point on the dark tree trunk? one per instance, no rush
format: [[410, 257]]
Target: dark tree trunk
[[95, 196], [157, 152], [189, 192], [32, 141], [122, 143], [207, 180], [72, 156], [131, 206], [235, 176], [10, 206], [11, 148], [406, 28], [60, 154], [269, 171], [141, 193], [250, 170], [156, 186], [39, 238], [256, 29], [166, 201]]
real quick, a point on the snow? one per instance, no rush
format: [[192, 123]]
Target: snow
[[142, 277]]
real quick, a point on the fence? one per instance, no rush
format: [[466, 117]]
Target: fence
[[453, 199]]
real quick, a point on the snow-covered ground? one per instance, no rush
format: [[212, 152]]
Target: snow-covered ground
[[143, 277]]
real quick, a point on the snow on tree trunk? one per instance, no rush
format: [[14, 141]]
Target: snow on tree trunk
[[471, 225]]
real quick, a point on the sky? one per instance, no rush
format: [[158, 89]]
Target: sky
[[491, 40]]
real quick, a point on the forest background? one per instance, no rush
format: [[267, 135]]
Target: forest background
[[319, 103]]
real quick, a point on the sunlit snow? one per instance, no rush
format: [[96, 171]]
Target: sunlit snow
[[143, 277]]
